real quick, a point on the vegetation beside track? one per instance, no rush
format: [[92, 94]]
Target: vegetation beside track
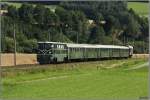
[[98, 79], [74, 22]]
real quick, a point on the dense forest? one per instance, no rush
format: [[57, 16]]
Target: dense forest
[[105, 22]]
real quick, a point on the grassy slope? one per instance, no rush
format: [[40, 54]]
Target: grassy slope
[[139, 8], [84, 81], [17, 5]]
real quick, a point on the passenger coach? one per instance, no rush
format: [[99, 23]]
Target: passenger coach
[[53, 52]]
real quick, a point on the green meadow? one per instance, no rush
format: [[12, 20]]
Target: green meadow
[[97, 79], [18, 5], [140, 8]]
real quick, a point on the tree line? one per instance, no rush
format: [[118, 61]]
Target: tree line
[[112, 23]]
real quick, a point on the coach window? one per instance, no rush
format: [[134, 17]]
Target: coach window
[[52, 45], [55, 46], [62, 46], [40, 46], [47, 46]]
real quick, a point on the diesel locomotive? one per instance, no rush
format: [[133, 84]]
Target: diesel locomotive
[[54, 52]]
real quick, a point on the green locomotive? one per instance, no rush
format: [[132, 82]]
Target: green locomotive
[[53, 52]]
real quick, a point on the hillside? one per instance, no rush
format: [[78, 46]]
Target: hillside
[[139, 7], [70, 23]]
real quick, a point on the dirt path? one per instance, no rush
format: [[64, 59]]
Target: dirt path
[[37, 80], [139, 66], [7, 59], [50, 78]]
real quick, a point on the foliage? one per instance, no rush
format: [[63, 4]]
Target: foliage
[[12, 12], [113, 23], [26, 13], [97, 35]]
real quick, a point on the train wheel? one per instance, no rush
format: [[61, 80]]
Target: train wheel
[[55, 60], [65, 59]]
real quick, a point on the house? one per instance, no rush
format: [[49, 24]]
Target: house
[[3, 12]]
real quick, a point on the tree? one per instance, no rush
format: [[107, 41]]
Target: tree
[[97, 34], [62, 13], [9, 44], [50, 18], [29, 45], [39, 12], [12, 12], [26, 13], [133, 27], [98, 18]]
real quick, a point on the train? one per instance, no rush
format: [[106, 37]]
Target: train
[[55, 52]]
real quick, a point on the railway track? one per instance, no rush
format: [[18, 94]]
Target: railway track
[[37, 66], [44, 66], [30, 59], [34, 66], [26, 67], [140, 56]]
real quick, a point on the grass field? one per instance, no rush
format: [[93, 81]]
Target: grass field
[[18, 5], [99, 79], [139, 8]]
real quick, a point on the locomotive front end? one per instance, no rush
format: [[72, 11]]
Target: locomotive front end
[[44, 54], [51, 52]]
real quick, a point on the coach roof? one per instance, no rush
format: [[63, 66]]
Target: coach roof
[[95, 46], [72, 45]]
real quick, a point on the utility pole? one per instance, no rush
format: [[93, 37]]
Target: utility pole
[[133, 41], [127, 41], [1, 90], [49, 36], [77, 38], [0, 42], [14, 46], [143, 47], [124, 39]]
